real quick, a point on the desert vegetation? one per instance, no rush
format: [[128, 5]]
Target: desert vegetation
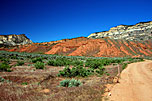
[[50, 77], [70, 83]]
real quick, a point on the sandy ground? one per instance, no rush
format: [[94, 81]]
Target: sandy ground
[[135, 83]]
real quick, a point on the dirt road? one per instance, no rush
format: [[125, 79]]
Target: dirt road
[[135, 83]]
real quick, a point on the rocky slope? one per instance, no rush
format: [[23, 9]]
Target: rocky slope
[[13, 40], [140, 31], [102, 48], [82, 46]]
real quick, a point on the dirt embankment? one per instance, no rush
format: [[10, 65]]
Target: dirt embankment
[[135, 83]]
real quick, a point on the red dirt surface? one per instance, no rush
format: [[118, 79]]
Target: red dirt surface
[[89, 47]]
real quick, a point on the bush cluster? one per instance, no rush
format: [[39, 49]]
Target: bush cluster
[[76, 71], [59, 62], [124, 65], [5, 60], [77, 62], [20, 63], [100, 70], [93, 63], [131, 60], [13, 57], [64, 62], [39, 65], [36, 60], [70, 83], [5, 67], [96, 63]]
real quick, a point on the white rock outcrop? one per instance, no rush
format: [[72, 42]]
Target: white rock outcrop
[[13, 40], [140, 31]]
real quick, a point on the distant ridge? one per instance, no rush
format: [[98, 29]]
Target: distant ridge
[[13, 40], [140, 31]]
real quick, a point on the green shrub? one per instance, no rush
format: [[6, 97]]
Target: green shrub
[[81, 71], [70, 83], [59, 62], [5, 60], [131, 60], [96, 63], [64, 83], [76, 63], [24, 83], [2, 79], [100, 70], [51, 62], [117, 60], [66, 72], [124, 65], [20, 63], [5, 67], [93, 63], [36, 60], [13, 57], [76, 71], [39, 65], [8, 70], [64, 62], [107, 74], [74, 83], [29, 65]]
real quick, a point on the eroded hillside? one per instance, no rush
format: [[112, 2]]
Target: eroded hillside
[[82, 46]]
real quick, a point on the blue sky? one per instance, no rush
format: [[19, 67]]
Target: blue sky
[[49, 20]]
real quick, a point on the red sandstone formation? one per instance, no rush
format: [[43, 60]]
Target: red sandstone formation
[[101, 48], [89, 47]]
